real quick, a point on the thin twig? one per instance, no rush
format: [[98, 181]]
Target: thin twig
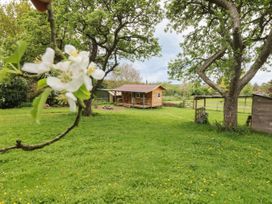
[[26, 147], [53, 34]]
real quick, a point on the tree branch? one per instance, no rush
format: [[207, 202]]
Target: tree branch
[[26, 147], [265, 52], [52, 23], [93, 47], [235, 16], [114, 65], [204, 67]]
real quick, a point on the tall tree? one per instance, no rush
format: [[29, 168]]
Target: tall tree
[[112, 30], [126, 73], [223, 38], [19, 21]]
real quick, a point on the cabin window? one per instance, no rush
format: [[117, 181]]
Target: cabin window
[[138, 95], [159, 95]]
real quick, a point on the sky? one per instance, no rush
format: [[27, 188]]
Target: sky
[[155, 68]]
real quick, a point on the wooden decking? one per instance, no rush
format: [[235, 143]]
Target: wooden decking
[[129, 105]]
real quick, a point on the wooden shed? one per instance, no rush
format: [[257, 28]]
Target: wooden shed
[[262, 113], [140, 95]]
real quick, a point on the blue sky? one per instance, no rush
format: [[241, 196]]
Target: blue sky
[[155, 69]]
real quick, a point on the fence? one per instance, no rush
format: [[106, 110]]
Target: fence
[[213, 104]]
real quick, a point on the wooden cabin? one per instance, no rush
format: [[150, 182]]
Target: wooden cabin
[[262, 114], [140, 95], [114, 96]]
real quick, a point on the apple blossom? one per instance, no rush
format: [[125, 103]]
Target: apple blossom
[[67, 76], [43, 66]]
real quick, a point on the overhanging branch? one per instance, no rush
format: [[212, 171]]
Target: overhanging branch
[[202, 69], [265, 52]]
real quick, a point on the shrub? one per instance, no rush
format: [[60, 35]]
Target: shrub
[[13, 92]]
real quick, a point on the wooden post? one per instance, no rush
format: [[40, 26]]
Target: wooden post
[[205, 103], [244, 104], [123, 101], [195, 109], [131, 100], [252, 110], [143, 99], [114, 98]]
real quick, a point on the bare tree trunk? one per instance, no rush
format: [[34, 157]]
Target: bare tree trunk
[[88, 111], [230, 112]]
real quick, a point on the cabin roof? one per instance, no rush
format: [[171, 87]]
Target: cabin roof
[[139, 88], [263, 96]]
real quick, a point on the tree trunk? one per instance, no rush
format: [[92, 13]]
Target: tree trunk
[[88, 111], [230, 112]]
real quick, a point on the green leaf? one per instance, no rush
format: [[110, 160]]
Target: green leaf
[[41, 84], [4, 74], [18, 54], [39, 103], [82, 93]]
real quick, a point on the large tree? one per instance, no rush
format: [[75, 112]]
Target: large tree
[[229, 39], [111, 29], [20, 21], [126, 73]]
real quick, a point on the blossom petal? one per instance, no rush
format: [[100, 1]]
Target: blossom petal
[[71, 101], [76, 59], [43, 68], [98, 74], [31, 68], [88, 82], [63, 66], [84, 59], [70, 49], [48, 57], [92, 65], [55, 83], [75, 84]]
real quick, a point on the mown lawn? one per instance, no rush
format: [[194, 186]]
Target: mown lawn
[[133, 156]]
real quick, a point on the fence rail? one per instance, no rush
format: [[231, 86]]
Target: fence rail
[[244, 104]]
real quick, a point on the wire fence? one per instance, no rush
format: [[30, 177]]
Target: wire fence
[[214, 104]]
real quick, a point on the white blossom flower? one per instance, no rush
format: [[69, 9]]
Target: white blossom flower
[[76, 56], [68, 79], [42, 67], [70, 74], [95, 72], [71, 101]]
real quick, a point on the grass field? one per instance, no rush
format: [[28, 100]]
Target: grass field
[[133, 156]]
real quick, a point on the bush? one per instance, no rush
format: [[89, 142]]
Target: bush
[[13, 92]]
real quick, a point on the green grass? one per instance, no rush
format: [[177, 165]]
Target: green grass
[[133, 156]]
